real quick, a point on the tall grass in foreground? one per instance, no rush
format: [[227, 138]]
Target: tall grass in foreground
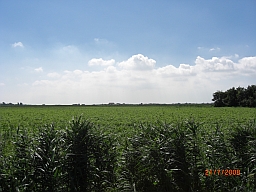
[[175, 157], [91, 159], [76, 159], [160, 157]]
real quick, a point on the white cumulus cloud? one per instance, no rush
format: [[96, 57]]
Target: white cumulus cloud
[[77, 72], [40, 69], [100, 41], [17, 44], [111, 69], [53, 75], [247, 64], [101, 62], [138, 62], [171, 71], [70, 49], [42, 82], [214, 64], [214, 49]]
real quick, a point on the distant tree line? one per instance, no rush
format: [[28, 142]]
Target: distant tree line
[[3, 103], [236, 97]]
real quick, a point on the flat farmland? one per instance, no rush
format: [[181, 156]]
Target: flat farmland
[[117, 117], [127, 148]]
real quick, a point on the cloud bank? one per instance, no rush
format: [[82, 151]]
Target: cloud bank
[[139, 79]]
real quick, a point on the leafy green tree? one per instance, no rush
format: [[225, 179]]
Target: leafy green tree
[[251, 95], [241, 97], [218, 98], [236, 97], [231, 97]]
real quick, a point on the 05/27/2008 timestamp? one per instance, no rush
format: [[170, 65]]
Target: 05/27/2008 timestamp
[[225, 172]]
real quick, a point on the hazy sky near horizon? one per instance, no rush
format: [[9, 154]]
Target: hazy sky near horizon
[[64, 52]]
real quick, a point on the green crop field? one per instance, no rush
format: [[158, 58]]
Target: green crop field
[[116, 117], [127, 148]]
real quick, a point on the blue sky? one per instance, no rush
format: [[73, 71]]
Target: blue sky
[[63, 52]]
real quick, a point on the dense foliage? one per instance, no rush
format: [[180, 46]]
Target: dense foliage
[[75, 159], [171, 155], [243, 97]]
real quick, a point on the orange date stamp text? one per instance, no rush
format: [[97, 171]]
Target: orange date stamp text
[[225, 172]]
